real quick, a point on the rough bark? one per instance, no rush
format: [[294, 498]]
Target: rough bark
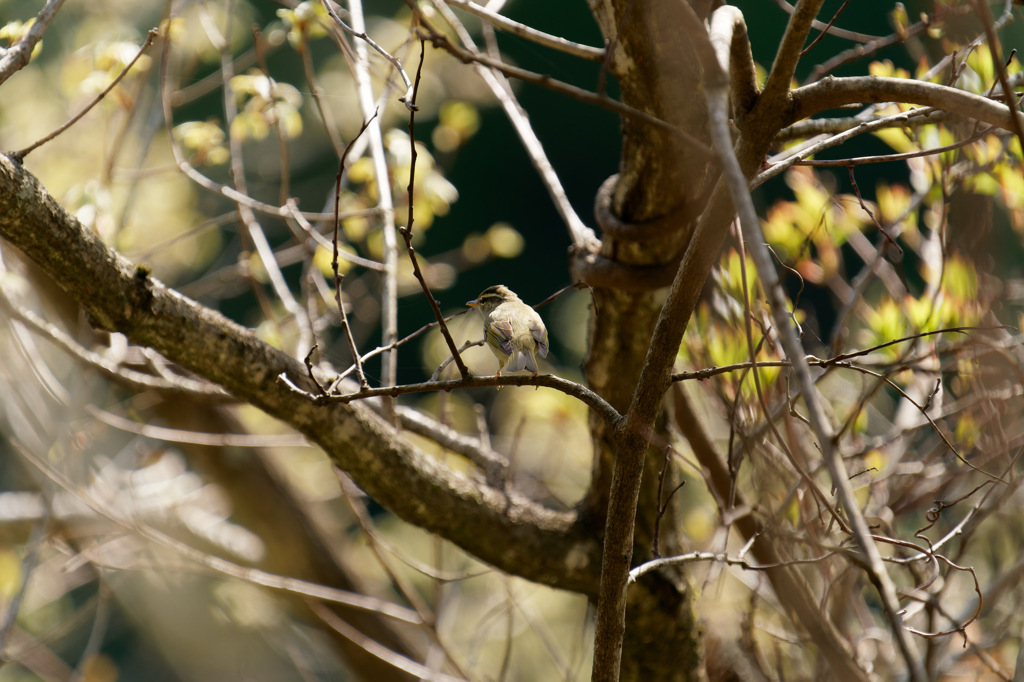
[[501, 527], [656, 198]]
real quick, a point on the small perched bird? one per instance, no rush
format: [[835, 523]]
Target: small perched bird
[[513, 330]]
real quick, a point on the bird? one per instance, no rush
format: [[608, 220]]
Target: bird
[[513, 331]]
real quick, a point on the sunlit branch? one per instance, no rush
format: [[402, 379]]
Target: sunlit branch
[[440, 40], [209, 561], [253, 228], [833, 93], [570, 388], [385, 200], [14, 58], [407, 230], [359, 32], [150, 37], [886, 158], [829, 28], [546, 39], [848, 133], [717, 101], [499, 86], [124, 375], [720, 557]]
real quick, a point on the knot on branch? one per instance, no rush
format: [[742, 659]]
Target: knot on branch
[[590, 266], [648, 231]]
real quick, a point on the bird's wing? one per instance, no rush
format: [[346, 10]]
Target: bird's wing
[[540, 335], [499, 334]]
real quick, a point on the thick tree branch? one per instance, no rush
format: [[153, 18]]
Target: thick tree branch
[[776, 87], [832, 93], [501, 527]]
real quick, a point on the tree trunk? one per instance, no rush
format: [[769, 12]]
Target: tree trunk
[[646, 217]]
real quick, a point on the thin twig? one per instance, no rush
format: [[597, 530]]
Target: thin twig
[[309, 230], [447, 361], [150, 37], [253, 229], [662, 501], [139, 381], [865, 49], [362, 35], [836, 140], [691, 557], [752, 351], [552, 297], [588, 397], [983, 12], [827, 28], [716, 92], [308, 362], [322, 104], [841, 360], [338, 277], [386, 201], [406, 230], [546, 39], [871, 214], [499, 86], [209, 561], [903, 156], [700, 151], [397, 344]]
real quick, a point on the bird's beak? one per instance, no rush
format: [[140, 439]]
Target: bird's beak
[[473, 304]]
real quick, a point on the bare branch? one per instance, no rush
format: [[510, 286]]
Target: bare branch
[[14, 58], [502, 527], [364, 88], [406, 230], [829, 28], [345, 328], [717, 98], [502, 91], [359, 32], [578, 391], [439, 39], [124, 375], [983, 12], [776, 87], [546, 39], [836, 92], [150, 37]]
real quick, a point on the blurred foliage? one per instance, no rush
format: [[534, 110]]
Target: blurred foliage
[[874, 261]]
